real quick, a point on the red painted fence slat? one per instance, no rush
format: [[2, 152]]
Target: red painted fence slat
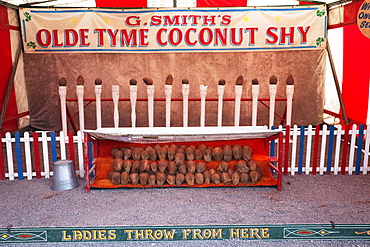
[[36, 156]]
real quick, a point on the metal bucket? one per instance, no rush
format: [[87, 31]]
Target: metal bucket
[[64, 177]]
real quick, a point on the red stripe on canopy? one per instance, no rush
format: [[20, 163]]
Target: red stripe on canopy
[[221, 3]]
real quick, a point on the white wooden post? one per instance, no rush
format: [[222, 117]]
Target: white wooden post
[[203, 93], [337, 149], [45, 152], [63, 155], [185, 96], [150, 92], [238, 96], [352, 149], [294, 149], [27, 152], [310, 133], [80, 141], [255, 93], [80, 97], [115, 96], [133, 98], [168, 93], [289, 103], [366, 154], [220, 92], [63, 108], [9, 155], [273, 89], [98, 91], [324, 134]]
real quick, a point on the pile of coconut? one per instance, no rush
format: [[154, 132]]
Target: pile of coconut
[[176, 165]]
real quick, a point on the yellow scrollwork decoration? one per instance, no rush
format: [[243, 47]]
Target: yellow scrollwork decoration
[[367, 232]]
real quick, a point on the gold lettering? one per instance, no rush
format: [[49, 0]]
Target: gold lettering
[[158, 234], [77, 235], [149, 233], [254, 231], [186, 233], [234, 233], [65, 236], [207, 233], [94, 234], [244, 233], [86, 235], [265, 233], [129, 232], [112, 234], [196, 234], [216, 233], [102, 234], [169, 234], [139, 235]]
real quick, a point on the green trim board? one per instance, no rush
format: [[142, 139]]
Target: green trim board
[[185, 233]]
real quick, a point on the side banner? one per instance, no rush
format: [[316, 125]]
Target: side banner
[[183, 233], [174, 30]]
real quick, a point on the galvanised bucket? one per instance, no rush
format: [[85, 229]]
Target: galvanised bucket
[[64, 177]]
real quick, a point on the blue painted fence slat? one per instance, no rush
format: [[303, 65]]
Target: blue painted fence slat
[[359, 149], [330, 150], [53, 147], [301, 150], [18, 153]]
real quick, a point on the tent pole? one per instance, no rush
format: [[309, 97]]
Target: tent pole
[[336, 83]]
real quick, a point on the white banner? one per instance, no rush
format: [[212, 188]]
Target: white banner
[[174, 30]]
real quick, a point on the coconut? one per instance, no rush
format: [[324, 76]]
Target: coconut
[[115, 177], [118, 154], [136, 153], [191, 166], [255, 176], [228, 152], [241, 166], [154, 167], [180, 150], [198, 154], [145, 155], [143, 178], [135, 166], [171, 153], [179, 159], [212, 171], [199, 178], [202, 147], [144, 166], [201, 167], [117, 164], [237, 151], [226, 178], [127, 166], [134, 177], [180, 178], [149, 148], [244, 178], [189, 177], [182, 168], [252, 165], [162, 152], [162, 165], [152, 180], [189, 152], [161, 178], [215, 178], [125, 178], [247, 153], [217, 153], [153, 155], [127, 153], [207, 177], [113, 152], [223, 166], [235, 177], [171, 179], [207, 155], [171, 168]]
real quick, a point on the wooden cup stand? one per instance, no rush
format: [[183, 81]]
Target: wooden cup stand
[[98, 143]]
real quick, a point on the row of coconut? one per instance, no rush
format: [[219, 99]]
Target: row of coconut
[[144, 172], [183, 152]]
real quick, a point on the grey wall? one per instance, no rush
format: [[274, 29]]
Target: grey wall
[[44, 70]]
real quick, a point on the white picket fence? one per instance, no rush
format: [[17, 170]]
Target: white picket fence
[[300, 155]]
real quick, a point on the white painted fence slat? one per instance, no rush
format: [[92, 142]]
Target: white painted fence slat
[[150, 93], [310, 133], [45, 152], [294, 149], [185, 103], [337, 150], [63, 154], [27, 152], [352, 150], [168, 93], [80, 153], [324, 134], [98, 91], [238, 96], [80, 98], [133, 98], [115, 97], [220, 93], [203, 94], [9, 153], [366, 155]]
